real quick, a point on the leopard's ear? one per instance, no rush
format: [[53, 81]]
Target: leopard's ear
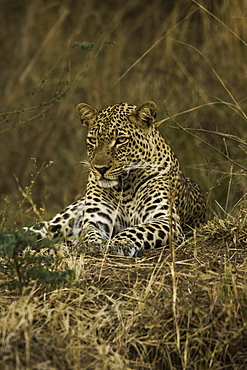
[[86, 113], [145, 113]]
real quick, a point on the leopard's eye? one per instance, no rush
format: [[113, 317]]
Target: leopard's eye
[[121, 140], [91, 140]]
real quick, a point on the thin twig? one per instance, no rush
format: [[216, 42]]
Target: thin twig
[[205, 142], [158, 123]]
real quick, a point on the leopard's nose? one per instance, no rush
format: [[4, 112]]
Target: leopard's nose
[[102, 170]]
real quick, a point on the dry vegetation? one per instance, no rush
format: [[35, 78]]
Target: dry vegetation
[[150, 312], [153, 311]]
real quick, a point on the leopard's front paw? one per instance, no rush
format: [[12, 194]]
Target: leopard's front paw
[[120, 247], [90, 246], [90, 242]]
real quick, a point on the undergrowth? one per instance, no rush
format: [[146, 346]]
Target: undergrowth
[[129, 313], [22, 260]]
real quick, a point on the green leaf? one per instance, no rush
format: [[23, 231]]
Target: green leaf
[[88, 46], [110, 42]]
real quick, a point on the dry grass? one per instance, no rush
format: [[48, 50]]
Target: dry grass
[[119, 312], [159, 310]]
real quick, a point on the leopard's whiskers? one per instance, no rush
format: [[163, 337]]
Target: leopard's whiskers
[[85, 164]]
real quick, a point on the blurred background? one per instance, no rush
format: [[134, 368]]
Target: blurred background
[[189, 57]]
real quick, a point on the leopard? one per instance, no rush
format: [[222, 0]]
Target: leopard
[[137, 197]]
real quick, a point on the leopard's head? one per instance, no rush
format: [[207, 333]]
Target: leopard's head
[[118, 136]]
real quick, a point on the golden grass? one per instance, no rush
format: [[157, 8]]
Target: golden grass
[[118, 313]]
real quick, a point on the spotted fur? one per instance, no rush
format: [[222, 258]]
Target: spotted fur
[[137, 196]]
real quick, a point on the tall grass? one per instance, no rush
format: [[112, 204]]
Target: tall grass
[[190, 55]]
